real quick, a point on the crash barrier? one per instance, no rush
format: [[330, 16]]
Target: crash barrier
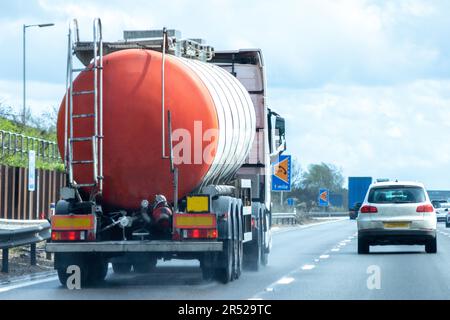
[[16, 144], [17, 233], [291, 218], [328, 214], [284, 218]]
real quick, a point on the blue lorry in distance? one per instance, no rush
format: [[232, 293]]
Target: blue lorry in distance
[[357, 189]]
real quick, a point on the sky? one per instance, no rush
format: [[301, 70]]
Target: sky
[[363, 84]]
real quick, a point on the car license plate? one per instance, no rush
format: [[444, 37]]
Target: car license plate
[[396, 225]]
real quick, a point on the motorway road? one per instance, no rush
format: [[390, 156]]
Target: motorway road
[[317, 262]]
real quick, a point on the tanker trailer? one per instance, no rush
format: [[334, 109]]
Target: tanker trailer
[[167, 146]]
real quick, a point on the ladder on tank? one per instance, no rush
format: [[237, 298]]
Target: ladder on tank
[[96, 115]]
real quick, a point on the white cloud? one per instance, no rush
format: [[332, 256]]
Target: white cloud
[[398, 132]]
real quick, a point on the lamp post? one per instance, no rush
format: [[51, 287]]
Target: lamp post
[[24, 70]]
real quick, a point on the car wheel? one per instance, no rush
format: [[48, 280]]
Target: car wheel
[[431, 246], [447, 224], [363, 246], [122, 267]]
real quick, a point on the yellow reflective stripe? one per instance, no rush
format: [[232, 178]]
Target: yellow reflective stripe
[[197, 221], [72, 222]]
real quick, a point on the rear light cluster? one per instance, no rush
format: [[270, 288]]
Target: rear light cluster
[[369, 209], [200, 234], [425, 208], [72, 235]]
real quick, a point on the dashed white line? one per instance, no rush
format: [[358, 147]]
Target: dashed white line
[[324, 256], [335, 249], [308, 267], [285, 280]]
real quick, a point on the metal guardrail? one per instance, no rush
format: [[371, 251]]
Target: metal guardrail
[[291, 218], [12, 143], [284, 218], [17, 233], [328, 214]]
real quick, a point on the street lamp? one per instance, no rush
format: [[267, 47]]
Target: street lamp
[[24, 72]]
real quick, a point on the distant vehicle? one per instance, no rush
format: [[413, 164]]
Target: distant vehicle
[[397, 213], [357, 189], [437, 203], [442, 209], [354, 211]]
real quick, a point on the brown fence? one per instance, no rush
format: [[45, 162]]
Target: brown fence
[[16, 202]]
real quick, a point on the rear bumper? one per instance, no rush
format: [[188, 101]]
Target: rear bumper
[[388, 237], [136, 246]]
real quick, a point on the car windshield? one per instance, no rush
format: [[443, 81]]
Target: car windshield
[[397, 194]]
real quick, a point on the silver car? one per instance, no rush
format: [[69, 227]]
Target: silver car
[[441, 211], [397, 213]]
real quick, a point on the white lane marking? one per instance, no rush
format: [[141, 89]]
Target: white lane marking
[[308, 267], [324, 256], [255, 299], [26, 284], [316, 260], [335, 249], [269, 289], [285, 280]]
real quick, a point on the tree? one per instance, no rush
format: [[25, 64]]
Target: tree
[[322, 175]]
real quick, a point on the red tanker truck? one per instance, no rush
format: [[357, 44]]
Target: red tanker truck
[[167, 146]]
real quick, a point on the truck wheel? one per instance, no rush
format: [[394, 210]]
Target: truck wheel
[[207, 273], [207, 266], [265, 258], [145, 266], [96, 272], [122, 268], [253, 255], [235, 237], [363, 246], [225, 272], [240, 258], [431, 246], [63, 276], [264, 254], [447, 224]]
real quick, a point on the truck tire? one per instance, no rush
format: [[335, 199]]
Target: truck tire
[[90, 274], [264, 254], [240, 244], [62, 276], [431, 246], [447, 224], [96, 272], [264, 258], [363, 246], [146, 266], [122, 267], [235, 237], [207, 273], [253, 256], [224, 273]]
